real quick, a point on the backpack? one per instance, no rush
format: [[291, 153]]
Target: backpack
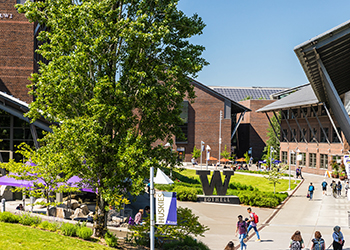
[[256, 218], [318, 244], [311, 188], [324, 184], [295, 245], [131, 221]]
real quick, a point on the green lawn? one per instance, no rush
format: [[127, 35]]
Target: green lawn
[[16, 236], [256, 181]]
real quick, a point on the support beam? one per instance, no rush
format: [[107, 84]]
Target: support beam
[[308, 124], [335, 102], [237, 124], [333, 124], [34, 135], [279, 122], [272, 126], [319, 123], [296, 120], [290, 129]]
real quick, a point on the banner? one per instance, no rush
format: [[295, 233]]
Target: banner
[[299, 157], [166, 208], [346, 160]]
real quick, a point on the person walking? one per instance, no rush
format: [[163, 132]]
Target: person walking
[[324, 187], [334, 189], [338, 239], [339, 188], [346, 188], [253, 220], [242, 231], [230, 246], [297, 241], [311, 190], [318, 243]]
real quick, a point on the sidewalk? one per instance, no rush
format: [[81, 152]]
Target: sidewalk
[[322, 214]]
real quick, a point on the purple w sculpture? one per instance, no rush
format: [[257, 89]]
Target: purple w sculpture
[[216, 181]]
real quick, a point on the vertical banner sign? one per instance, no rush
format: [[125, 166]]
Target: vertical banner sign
[[208, 155], [346, 160], [166, 208]]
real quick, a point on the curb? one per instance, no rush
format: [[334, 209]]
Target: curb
[[274, 213]]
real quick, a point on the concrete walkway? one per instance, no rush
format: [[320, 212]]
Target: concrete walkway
[[278, 225]]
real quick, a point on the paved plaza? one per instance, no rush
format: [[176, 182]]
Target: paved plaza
[[278, 225]]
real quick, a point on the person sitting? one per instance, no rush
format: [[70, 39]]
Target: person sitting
[[20, 207], [138, 217]]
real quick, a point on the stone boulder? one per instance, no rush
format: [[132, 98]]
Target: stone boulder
[[63, 213], [78, 213], [53, 211], [38, 206], [74, 204], [85, 209]]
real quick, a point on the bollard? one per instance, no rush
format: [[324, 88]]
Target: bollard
[[32, 200], [3, 201]]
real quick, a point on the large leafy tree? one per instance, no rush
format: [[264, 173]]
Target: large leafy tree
[[115, 78], [273, 140]]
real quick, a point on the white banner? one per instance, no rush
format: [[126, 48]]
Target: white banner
[[299, 157], [166, 208], [346, 160]]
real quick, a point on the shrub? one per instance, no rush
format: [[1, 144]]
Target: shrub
[[68, 229], [185, 193], [84, 233], [111, 240], [27, 220], [44, 225], [261, 199], [188, 243], [8, 217]]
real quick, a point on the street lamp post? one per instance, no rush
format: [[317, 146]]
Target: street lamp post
[[151, 204], [290, 163], [220, 136]]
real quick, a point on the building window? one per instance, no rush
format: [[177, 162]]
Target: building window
[[312, 160], [334, 135], [316, 111], [285, 135], [336, 158], [302, 162], [284, 157], [324, 161], [184, 126], [313, 135], [324, 137], [293, 159]]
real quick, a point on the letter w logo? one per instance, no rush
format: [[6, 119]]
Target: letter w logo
[[216, 181]]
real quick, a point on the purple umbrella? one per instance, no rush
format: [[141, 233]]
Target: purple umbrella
[[76, 181], [9, 181]]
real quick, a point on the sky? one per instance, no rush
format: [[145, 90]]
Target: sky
[[251, 43]]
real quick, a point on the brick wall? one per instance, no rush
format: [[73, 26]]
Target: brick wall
[[16, 51], [203, 124], [318, 148], [256, 125]]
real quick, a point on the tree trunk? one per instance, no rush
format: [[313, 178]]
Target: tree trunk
[[100, 217], [274, 188]]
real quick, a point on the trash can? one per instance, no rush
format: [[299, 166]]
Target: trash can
[[3, 201]]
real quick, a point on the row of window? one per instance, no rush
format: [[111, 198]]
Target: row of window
[[301, 157], [302, 112], [311, 135]]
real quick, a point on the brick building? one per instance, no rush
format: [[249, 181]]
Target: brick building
[[16, 51], [252, 132], [203, 121]]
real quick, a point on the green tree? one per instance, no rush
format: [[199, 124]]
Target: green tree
[[116, 76], [246, 157], [196, 153], [275, 174], [225, 153], [45, 169]]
